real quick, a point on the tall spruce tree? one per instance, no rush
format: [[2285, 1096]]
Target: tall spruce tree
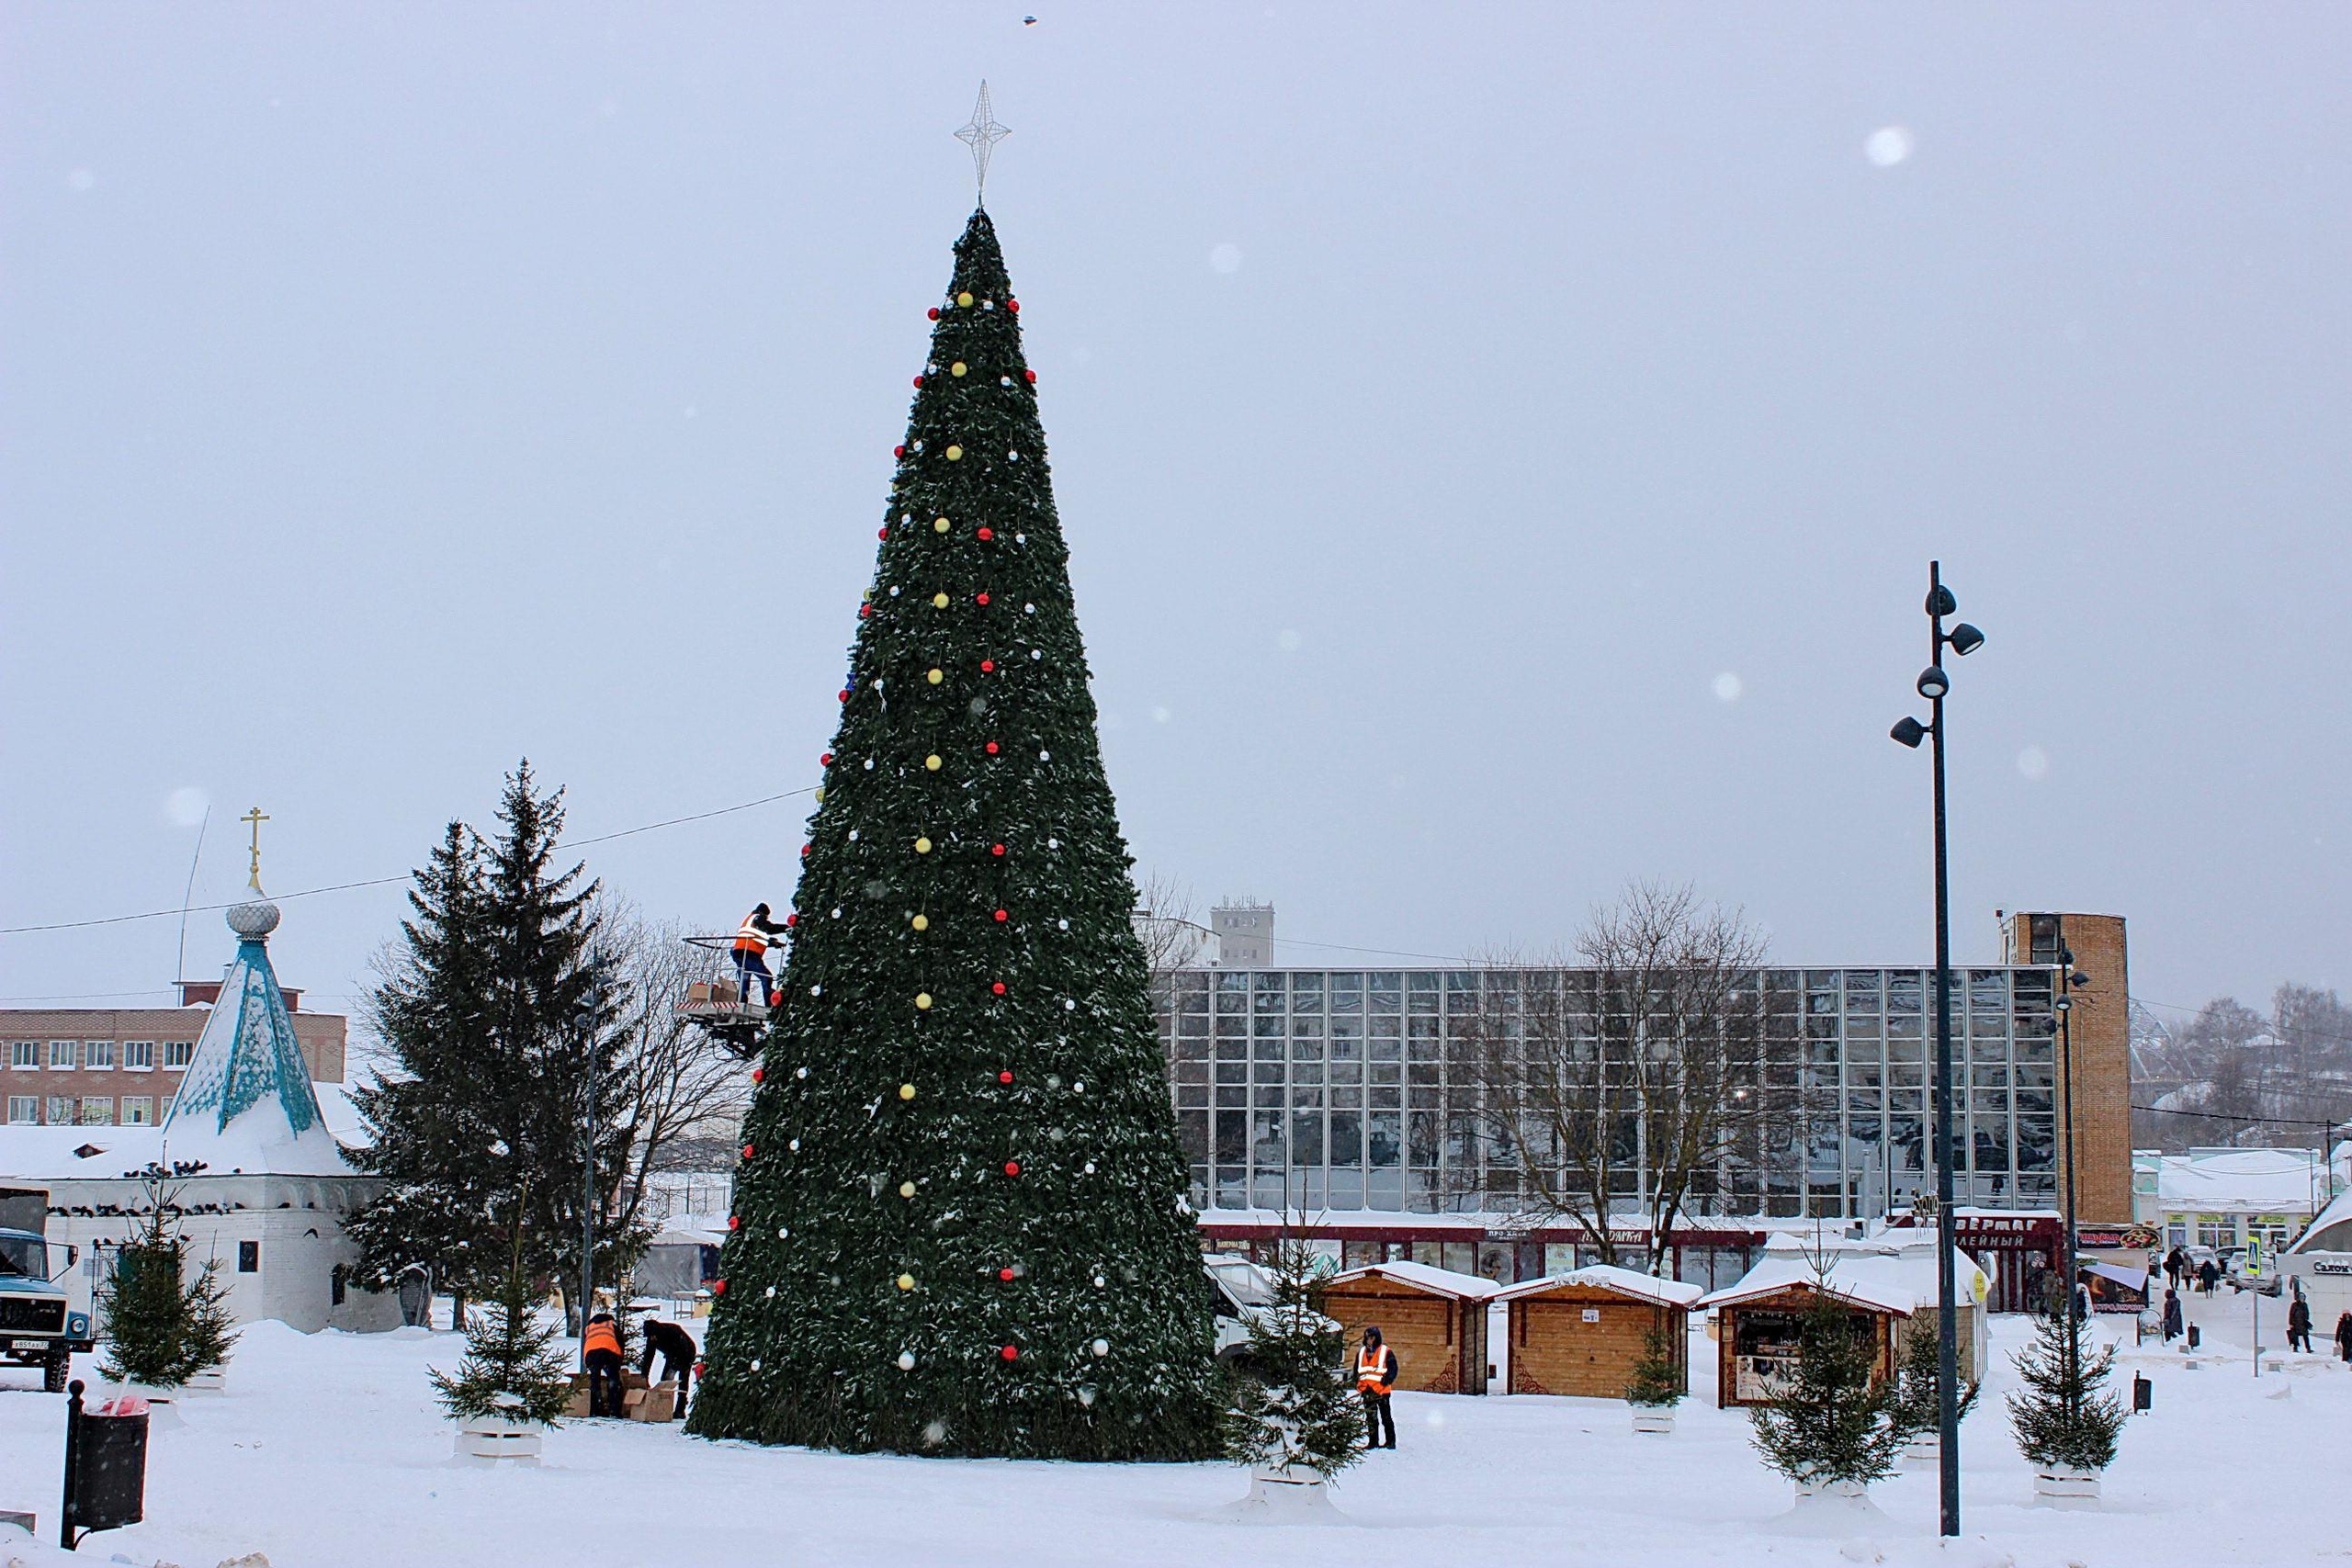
[[476, 1123], [962, 1226]]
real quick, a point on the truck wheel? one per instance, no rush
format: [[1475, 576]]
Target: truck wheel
[[57, 1370]]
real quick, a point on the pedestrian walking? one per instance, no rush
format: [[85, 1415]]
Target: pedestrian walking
[[2298, 1324], [2176, 1266], [2344, 1337], [1376, 1380], [2172, 1315], [601, 1350], [677, 1350], [2209, 1274]]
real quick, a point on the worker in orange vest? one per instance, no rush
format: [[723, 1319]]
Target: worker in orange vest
[[599, 1348], [1375, 1379], [752, 940]]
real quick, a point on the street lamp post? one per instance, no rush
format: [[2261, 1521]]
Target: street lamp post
[[1933, 683], [584, 1023]]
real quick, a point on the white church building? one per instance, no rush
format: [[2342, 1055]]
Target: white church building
[[273, 1187]]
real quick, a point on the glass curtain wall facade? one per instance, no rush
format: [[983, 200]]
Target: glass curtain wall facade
[[1321, 1090]]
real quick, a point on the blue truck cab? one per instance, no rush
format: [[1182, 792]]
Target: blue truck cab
[[38, 1327]]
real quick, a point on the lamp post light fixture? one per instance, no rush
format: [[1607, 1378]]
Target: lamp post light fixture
[[583, 1024], [1933, 683]]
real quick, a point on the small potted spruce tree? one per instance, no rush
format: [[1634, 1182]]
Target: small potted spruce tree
[[511, 1384], [1917, 1409], [163, 1330], [1292, 1416], [1657, 1383], [2065, 1422], [1832, 1428]]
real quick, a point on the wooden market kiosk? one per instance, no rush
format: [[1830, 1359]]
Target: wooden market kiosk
[[1433, 1318], [1889, 1287], [1581, 1333]]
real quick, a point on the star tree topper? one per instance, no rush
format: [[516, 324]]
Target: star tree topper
[[982, 136]]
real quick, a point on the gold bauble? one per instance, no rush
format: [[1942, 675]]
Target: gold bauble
[[957, 368], [965, 300], [932, 762], [906, 1091], [936, 676], [923, 846], [939, 525], [821, 794], [922, 922], [922, 1001], [906, 1281], [906, 1189], [955, 454], [939, 601]]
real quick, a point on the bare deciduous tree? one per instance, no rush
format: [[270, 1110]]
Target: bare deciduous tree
[[683, 1085], [1624, 1083], [1172, 938]]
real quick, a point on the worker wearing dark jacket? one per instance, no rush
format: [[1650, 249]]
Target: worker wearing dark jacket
[[600, 1348], [677, 1349], [1376, 1380]]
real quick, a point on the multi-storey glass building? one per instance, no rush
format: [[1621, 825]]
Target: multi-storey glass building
[[1325, 1089], [1318, 1099]]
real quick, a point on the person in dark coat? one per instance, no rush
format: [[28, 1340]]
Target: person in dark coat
[[677, 1351], [1376, 1380], [2298, 1322], [2344, 1336], [2209, 1274], [2176, 1266], [2172, 1315]]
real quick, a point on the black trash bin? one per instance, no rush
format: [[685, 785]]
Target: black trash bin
[[106, 1467]]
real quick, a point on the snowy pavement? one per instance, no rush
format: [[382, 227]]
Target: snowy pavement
[[326, 1452]]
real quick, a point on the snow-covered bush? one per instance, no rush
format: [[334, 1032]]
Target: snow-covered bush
[[1292, 1405], [2060, 1417], [1834, 1420]]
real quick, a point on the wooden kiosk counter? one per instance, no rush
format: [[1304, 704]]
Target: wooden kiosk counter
[[1581, 1333], [1433, 1318]]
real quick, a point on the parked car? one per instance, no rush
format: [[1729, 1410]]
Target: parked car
[[1244, 1293]]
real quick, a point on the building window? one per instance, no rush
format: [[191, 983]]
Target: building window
[[63, 1055], [25, 1053], [138, 1111], [139, 1055], [2216, 1231], [98, 1055], [97, 1110], [249, 1258], [60, 1111], [24, 1110], [166, 1111], [176, 1054], [335, 1285]]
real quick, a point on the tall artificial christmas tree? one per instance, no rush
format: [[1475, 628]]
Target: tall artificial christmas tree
[[961, 1225]]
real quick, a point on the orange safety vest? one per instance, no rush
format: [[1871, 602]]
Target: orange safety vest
[[601, 1337], [1371, 1370], [748, 937]]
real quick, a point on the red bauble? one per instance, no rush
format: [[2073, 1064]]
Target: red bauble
[[719, 1286], [932, 312], [985, 535], [1013, 305], [803, 851], [996, 849], [1033, 377], [1005, 1275], [1001, 915], [863, 610], [1011, 1352], [900, 450], [734, 1222], [917, 381], [980, 598], [844, 693], [987, 666], [824, 759], [992, 747], [748, 1150], [883, 531], [1005, 1077], [998, 988], [759, 1074], [791, 919], [1013, 1168], [702, 1370]]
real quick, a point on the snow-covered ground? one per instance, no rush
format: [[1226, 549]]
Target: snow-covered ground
[[326, 1452]]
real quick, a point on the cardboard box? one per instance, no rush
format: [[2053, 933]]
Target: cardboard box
[[659, 1403]]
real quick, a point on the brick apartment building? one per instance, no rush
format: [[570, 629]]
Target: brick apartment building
[[106, 1066]]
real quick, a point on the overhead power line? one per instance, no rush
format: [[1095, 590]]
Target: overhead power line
[[386, 881]]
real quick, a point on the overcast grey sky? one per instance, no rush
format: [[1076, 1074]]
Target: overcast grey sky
[[1500, 449]]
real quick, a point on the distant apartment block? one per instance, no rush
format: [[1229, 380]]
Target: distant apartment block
[[107, 1067]]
